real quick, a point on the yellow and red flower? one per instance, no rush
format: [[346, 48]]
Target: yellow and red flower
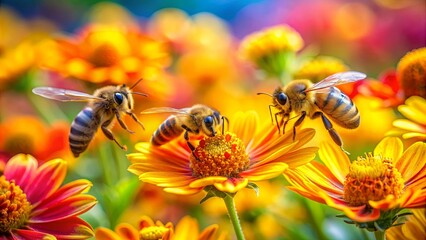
[[106, 53], [34, 205], [370, 188], [187, 228], [228, 162]]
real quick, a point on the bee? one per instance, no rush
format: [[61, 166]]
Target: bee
[[321, 99], [198, 119], [103, 106]]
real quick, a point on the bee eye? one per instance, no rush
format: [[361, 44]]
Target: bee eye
[[282, 98], [208, 121], [118, 98]]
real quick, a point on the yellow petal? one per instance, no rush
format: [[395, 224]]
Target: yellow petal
[[335, 160], [232, 185], [412, 160], [187, 228], [183, 190], [244, 125], [389, 147], [265, 172], [408, 125], [202, 182], [421, 136], [414, 114]]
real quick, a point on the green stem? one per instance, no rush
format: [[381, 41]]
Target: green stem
[[105, 165], [380, 235], [232, 211]]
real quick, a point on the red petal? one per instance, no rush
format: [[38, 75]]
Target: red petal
[[70, 228], [21, 168], [30, 234], [71, 189], [69, 207], [47, 180]]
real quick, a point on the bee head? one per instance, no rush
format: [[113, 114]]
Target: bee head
[[210, 122], [280, 100]]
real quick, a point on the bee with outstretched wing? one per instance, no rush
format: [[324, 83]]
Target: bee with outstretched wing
[[103, 106]]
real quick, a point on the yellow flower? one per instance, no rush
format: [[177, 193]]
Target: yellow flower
[[18, 44], [228, 162], [414, 127], [411, 73], [200, 32], [319, 68], [187, 228], [106, 53], [369, 189], [272, 49], [413, 228]]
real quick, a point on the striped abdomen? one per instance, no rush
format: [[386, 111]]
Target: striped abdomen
[[82, 130], [338, 107], [167, 131]]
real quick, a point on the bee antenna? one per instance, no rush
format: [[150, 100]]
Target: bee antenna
[[134, 85], [142, 94], [262, 93]]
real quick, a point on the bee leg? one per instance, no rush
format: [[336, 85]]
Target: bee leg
[[110, 136], [270, 113], [297, 123], [191, 147], [122, 124], [223, 124], [136, 119], [334, 135]]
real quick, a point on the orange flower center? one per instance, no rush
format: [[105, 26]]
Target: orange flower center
[[19, 143], [372, 178], [412, 73], [153, 233], [105, 55], [14, 207], [221, 155]]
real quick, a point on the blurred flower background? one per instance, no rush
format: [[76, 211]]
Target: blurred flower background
[[221, 54]]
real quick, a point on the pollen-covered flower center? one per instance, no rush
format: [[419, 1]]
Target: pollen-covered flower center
[[153, 233], [14, 207], [372, 178], [105, 55], [221, 155]]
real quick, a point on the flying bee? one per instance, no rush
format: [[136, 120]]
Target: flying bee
[[198, 119], [103, 106], [321, 99]]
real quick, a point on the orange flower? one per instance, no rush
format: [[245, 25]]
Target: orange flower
[[187, 228], [18, 44], [106, 53], [27, 134], [228, 162], [411, 73], [34, 205], [370, 190]]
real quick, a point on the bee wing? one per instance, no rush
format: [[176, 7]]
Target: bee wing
[[337, 79], [165, 110], [64, 95]]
